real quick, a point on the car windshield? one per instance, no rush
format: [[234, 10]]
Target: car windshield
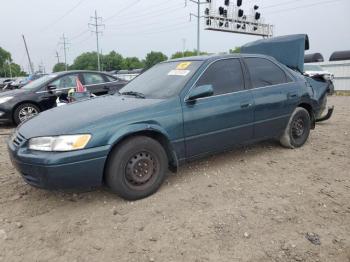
[[312, 68], [163, 80], [37, 83]]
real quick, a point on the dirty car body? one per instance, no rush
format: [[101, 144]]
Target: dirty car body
[[194, 107], [290, 51]]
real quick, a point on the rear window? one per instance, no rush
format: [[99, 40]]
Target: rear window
[[263, 72]]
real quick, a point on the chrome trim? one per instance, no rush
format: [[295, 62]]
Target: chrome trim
[[206, 68], [245, 89], [66, 88]]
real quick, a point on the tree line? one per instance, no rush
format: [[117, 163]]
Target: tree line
[[88, 61], [115, 61], [7, 66]]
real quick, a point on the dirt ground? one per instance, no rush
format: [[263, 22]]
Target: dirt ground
[[259, 203]]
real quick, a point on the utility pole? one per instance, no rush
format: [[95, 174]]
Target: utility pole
[[10, 63], [198, 16], [58, 57], [30, 61], [96, 25], [65, 47], [183, 46]]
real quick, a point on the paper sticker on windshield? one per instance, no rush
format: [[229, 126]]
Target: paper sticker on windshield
[[183, 65], [179, 72]]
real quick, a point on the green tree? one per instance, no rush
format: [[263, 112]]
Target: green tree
[[131, 63], [6, 63], [85, 61], [59, 67], [113, 61], [154, 58], [235, 50], [186, 54]]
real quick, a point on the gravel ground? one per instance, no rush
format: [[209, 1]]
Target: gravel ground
[[258, 203]]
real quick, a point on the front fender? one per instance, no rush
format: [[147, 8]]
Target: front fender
[[136, 128]]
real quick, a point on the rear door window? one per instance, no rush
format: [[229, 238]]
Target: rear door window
[[93, 79], [225, 76], [263, 72]]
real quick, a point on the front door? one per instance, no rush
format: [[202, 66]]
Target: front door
[[218, 122]]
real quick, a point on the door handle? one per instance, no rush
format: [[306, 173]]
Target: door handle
[[292, 95], [246, 105]]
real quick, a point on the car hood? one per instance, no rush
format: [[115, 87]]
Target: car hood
[[82, 116], [288, 50]]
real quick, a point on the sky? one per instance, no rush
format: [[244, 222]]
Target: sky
[[136, 27]]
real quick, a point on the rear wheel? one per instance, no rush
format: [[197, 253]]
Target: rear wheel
[[298, 129], [24, 112], [136, 168]]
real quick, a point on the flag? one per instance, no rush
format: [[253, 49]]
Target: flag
[[79, 88]]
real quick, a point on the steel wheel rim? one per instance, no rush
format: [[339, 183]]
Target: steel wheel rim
[[141, 170], [26, 113], [298, 128]]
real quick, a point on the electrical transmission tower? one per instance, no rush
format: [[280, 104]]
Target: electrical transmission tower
[[95, 28], [58, 57], [198, 16], [65, 48]]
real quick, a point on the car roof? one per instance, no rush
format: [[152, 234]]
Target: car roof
[[79, 71], [217, 57]]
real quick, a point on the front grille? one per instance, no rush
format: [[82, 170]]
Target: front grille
[[18, 139]]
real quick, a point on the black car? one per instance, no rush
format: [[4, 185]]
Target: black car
[[19, 105]]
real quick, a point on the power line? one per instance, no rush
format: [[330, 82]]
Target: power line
[[64, 15], [154, 13], [122, 10], [96, 25], [303, 6], [80, 34], [149, 24], [280, 4], [165, 30]]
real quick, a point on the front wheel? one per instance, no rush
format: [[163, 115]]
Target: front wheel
[[24, 112], [298, 129], [136, 168]]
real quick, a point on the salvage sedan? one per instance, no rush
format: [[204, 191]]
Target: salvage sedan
[[175, 112]]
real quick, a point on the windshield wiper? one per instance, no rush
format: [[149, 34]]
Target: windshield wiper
[[133, 93]]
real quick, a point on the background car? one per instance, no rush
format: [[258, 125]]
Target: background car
[[30, 78], [5, 82], [317, 73], [21, 104]]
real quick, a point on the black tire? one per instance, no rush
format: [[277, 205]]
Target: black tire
[[298, 129], [136, 168], [18, 113]]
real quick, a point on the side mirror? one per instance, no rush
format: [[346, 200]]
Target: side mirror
[[200, 92], [51, 88]]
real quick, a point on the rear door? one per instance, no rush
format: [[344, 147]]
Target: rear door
[[114, 84], [224, 119], [275, 95], [96, 83]]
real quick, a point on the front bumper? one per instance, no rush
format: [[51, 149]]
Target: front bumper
[[53, 170], [5, 114]]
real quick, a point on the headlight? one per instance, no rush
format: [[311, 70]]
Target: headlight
[[59, 143], [327, 77], [5, 99]]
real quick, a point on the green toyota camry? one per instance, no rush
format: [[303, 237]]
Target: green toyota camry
[[175, 112]]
